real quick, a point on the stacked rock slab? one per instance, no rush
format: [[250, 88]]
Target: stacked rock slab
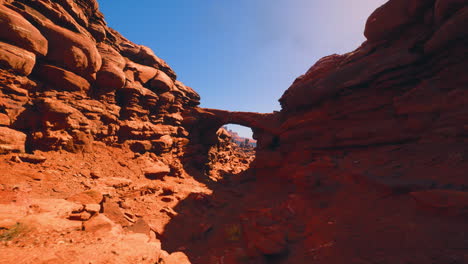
[[67, 80]]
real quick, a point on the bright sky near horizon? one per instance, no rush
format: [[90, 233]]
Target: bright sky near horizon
[[241, 55]]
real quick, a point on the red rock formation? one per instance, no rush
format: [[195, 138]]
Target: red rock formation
[[236, 138], [226, 157], [68, 82], [365, 163], [95, 82]]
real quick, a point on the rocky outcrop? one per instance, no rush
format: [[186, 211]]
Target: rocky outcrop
[[68, 80], [226, 157], [70, 83], [396, 89], [11, 140]]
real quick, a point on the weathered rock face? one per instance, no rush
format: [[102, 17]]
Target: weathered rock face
[[226, 157], [11, 140], [365, 163], [405, 86], [203, 125], [68, 80], [368, 146]]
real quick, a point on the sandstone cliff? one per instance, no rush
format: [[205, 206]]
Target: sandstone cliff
[[69, 80], [70, 83], [365, 163]]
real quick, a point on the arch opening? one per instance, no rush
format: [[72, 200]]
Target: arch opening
[[233, 152]]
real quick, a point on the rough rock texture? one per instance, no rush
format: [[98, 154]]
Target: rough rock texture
[[227, 157], [68, 82], [84, 82], [62, 207], [11, 140], [365, 163], [203, 125]]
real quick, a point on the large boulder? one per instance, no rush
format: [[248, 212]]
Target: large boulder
[[17, 59], [392, 16], [141, 73], [163, 144], [98, 224], [161, 83], [11, 140], [72, 51], [111, 76], [157, 170], [60, 79], [15, 29], [176, 258]]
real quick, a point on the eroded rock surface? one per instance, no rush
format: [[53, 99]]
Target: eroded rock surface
[[70, 83], [85, 81], [365, 163], [227, 157]]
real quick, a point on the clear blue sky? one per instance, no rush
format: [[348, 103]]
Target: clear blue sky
[[241, 55]]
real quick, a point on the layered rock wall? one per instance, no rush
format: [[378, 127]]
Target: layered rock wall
[[68, 80], [404, 88]]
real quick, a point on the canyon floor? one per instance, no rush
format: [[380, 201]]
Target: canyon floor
[[99, 207]]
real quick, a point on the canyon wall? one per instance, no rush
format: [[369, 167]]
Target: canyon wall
[[68, 80], [404, 90], [90, 124], [398, 100], [365, 163]]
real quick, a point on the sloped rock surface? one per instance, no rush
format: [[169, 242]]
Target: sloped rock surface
[[11, 140], [20, 32], [17, 59], [88, 82]]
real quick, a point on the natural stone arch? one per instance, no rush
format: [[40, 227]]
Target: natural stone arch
[[202, 125], [231, 155]]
